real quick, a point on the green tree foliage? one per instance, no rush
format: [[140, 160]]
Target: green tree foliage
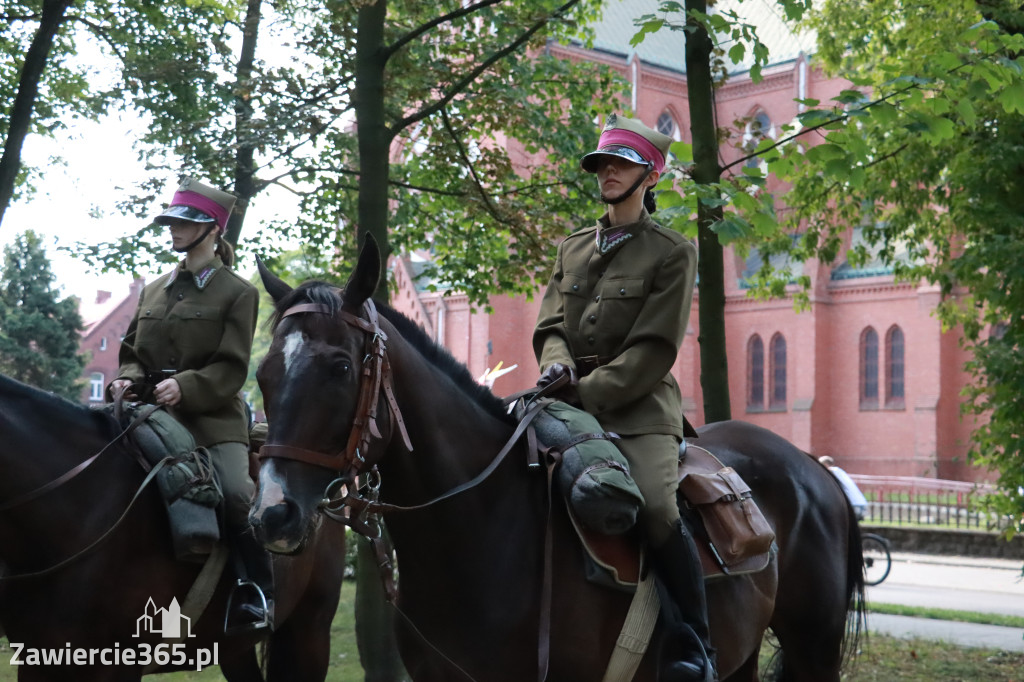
[[923, 153], [49, 76], [39, 334], [394, 117]]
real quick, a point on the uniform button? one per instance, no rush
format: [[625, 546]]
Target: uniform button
[[172, 361], [590, 340], [592, 318], [147, 312], [181, 296], [597, 298], [575, 287], [198, 314], [622, 292]]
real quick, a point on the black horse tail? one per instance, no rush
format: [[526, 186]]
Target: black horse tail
[[857, 612]]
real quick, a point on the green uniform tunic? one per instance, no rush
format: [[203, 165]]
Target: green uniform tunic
[[200, 325], [616, 309]]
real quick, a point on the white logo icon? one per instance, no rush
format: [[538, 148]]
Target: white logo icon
[[165, 622]]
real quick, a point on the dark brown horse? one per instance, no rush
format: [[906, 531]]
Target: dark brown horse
[[95, 600], [338, 384]]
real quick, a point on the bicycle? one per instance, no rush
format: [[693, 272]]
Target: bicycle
[[877, 558]]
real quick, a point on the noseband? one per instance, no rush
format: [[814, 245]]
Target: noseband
[[376, 375]]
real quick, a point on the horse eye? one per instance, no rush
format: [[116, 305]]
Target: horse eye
[[342, 367]]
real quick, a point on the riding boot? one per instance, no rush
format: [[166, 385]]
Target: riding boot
[[689, 656], [251, 603]]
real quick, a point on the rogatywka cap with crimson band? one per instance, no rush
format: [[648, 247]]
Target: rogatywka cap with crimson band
[[631, 140], [198, 203]]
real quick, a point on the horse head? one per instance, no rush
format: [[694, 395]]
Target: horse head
[[322, 380]]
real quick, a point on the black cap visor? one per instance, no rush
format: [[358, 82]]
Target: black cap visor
[[188, 213], [589, 162]]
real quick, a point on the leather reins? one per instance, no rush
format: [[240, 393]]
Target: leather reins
[[376, 375], [74, 472]]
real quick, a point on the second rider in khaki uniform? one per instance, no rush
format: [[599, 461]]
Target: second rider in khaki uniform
[[612, 320]]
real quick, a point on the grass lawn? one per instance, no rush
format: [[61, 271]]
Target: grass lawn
[[879, 659]]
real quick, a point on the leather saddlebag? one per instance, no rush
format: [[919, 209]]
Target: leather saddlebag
[[735, 525]]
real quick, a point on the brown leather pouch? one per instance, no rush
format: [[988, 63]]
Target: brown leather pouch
[[735, 525]]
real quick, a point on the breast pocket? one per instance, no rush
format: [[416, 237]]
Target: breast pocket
[[621, 301], [197, 328], [151, 331], [574, 299]]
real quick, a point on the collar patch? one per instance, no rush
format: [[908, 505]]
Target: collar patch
[[609, 239]]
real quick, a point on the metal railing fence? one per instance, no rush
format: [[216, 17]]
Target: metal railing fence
[[904, 500]]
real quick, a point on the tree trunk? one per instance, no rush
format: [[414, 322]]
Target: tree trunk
[[373, 135], [245, 187], [375, 633], [714, 375], [24, 102]]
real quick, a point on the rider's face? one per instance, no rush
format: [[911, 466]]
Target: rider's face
[[615, 174]]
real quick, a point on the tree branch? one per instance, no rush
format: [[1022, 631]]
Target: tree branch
[[472, 170], [428, 190], [433, 23], [483, 66], [844, 117]]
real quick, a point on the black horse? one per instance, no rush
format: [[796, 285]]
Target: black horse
[[346, 391], [93, 599]]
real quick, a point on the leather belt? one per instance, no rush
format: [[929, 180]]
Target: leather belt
[[588, 363]]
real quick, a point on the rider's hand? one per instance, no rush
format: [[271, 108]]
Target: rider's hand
[[555, 372], [117, 385], [167, 392]]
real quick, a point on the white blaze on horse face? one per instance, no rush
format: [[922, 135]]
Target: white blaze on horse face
[[270, 494], [292, 348]]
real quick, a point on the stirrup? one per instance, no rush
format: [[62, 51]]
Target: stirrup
[[246, 626], [710, 672]]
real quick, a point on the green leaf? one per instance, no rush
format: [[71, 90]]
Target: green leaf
[[737, 52], [884, 113], [670, 199], [730, 228], [965, 108], [651, 26], [1012, 98], [814, 117], [682, 151], [825, 152]]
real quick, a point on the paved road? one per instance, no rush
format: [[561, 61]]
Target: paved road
[[957, 583]]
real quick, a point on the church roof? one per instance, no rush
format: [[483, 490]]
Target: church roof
[[666, 48]]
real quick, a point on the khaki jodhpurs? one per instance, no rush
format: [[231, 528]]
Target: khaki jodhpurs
[[653, 463], [231, 461]]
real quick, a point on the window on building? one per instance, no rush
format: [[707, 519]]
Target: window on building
[[96, 386], [869, 369], [755, 373], [757, 129], [894, 387], [666, 125], [777, 390], [103, 343]]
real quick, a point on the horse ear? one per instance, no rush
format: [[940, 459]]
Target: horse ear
[[363, 281], [275, 286]]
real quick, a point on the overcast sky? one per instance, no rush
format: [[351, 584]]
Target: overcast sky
[[99, 161], [76, 202]]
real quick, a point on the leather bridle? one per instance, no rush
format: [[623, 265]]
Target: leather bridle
[[376, 376]]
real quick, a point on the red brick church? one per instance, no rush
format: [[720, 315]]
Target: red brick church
[[867, 375]]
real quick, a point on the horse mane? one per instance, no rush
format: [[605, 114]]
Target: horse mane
[[51, 404], [328, 295]]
